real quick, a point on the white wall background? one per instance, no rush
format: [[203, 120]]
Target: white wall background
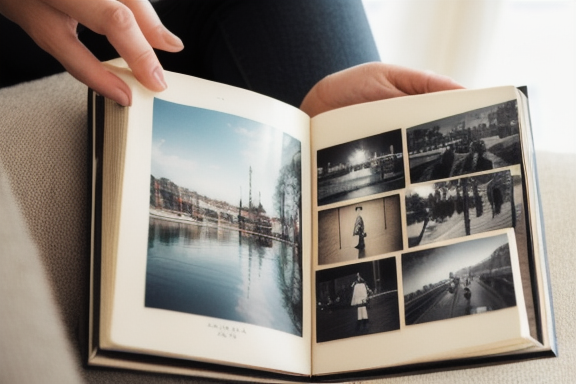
[[482, 43]]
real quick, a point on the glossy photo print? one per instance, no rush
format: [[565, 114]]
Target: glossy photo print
[[360, 230], [357, 299], [476, 141], [462, 207], [225, 219], [360, 168], [457, 280]]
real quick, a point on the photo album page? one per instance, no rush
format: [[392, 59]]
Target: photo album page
[[214, 258], [420, 231]]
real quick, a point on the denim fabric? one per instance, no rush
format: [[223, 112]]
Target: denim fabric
[[277, 48]]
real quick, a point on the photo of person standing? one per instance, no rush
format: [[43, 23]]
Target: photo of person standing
[[345, 294], [359, 229], [360, 295]]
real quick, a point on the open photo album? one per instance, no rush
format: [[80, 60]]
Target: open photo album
[[234, 237]]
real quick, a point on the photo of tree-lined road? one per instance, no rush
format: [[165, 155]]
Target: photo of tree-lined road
[[461, 207], [475, 141], [457, 280]]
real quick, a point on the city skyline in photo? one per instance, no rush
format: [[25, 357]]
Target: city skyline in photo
[[219, 155]]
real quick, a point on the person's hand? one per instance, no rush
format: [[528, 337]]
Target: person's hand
[[131, 26], [371, 82]]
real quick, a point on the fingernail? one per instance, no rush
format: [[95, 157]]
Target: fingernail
[[173, 40], [159, 77], [122, 98]]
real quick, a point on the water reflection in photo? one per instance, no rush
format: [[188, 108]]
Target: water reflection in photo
[[221, 273]]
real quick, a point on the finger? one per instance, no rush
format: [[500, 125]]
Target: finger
[[414, 82], [82, 64], [371, 82], [55, 32], [157, 35], [359, 84], [117, 22]]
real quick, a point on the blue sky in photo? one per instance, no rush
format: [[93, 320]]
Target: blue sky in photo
[[211, 153]]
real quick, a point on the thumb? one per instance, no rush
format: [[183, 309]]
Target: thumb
[[414, 82], [358, 84]]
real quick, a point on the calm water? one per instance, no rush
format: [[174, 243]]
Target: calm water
[[218, 273]]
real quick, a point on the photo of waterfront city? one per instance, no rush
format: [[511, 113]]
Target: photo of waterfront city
[[225, 219], [360, 168]]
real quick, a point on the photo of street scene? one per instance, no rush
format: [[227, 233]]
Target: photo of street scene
[[225, 219], [356, 231], [356, 300], [457, 280], [360, 168], [475, 141], [461, 207]]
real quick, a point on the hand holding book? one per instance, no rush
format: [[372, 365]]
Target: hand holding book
[[371, 82], [132, 27], [454, 244]]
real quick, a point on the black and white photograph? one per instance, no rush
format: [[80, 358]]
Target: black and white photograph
[[457, 280], [475, 141], [356, 231], [461, 207], [357, 299], [225, 219], [360, 168]]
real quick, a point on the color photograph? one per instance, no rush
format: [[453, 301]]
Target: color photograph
[[225, 218]]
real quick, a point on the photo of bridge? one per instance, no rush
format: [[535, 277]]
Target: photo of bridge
[[360, 168], [475, 141]]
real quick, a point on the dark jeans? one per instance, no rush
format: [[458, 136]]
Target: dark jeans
[[277, 48]]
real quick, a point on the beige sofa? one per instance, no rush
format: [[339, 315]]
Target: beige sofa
[[44, 249]]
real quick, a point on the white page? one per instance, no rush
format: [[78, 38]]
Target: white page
[[186, 335], [494, 331]]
